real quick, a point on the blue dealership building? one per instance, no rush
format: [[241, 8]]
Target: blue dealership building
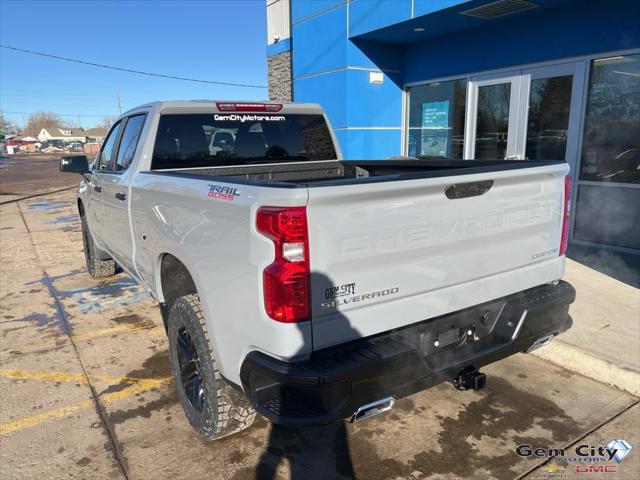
[[514, 79]]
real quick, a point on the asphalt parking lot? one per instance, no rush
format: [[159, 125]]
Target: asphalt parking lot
[[25, 175], [86, 391]]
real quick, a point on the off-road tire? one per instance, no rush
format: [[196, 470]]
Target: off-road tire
[[225, 410], [95, 266]]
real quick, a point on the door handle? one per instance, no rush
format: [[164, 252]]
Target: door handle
[[121, 196], [96, 188], [466, 190]]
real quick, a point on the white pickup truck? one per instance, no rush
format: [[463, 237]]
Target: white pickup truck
[[309, 288]]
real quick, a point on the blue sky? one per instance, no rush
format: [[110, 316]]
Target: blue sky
[[221, 40]]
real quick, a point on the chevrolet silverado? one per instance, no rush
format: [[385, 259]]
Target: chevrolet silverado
[[309, 288]]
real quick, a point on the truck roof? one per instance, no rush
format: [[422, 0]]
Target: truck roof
[[199, 105]]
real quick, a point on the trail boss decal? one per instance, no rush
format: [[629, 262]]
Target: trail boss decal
[[347, 299], [223, 193]]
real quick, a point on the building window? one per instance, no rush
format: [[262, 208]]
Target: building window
[[611, 145], [436, 119]]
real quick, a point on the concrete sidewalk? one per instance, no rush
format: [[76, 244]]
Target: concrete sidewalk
[[604, 343]]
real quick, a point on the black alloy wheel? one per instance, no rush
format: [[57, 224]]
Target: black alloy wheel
[[190, 375], [213, 407]]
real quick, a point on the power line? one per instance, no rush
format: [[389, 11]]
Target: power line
[[44, 99], [37, 93], [63, 103], [128, 70], [61, 114]]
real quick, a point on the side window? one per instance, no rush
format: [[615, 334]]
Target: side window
[[104, 160], [129, 141]]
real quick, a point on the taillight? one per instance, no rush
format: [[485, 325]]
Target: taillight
[[286, 280], [566, 218], [249, 107]]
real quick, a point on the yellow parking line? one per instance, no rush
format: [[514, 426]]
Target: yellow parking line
[[46, 376], [36, 419], [141, 385], [73, 377]]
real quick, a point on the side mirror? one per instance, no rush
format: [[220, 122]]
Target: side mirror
[[75, 164]]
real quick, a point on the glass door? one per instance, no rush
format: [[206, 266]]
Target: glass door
[[550, 99], [493, 111], [526, 114]]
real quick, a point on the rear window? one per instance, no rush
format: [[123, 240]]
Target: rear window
[[220, 139]]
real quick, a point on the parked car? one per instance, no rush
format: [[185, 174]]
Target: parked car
[[52, 146], [75, 147], [308, 288]]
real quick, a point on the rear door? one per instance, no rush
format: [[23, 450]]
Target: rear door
[[115, 192], [388, 254]]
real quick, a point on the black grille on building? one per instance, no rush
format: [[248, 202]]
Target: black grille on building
[[499, 9]]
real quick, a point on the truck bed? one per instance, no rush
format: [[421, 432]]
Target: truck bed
[[336, 172]]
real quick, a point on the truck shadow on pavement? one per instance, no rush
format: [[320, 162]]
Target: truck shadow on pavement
[[312, 451]]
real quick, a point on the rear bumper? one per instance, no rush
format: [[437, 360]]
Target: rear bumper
[[334, 382]]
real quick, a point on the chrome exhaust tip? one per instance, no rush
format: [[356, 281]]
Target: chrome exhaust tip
[[372, 409], [541, 342]]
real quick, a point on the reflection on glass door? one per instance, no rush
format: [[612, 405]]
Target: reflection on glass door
[[611, 148], [548, 118], [608, 193], [492, 117], [550, 113], [492, 121]]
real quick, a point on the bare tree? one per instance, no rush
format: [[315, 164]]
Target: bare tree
[[7, 127], [107, 121], [39, 120]]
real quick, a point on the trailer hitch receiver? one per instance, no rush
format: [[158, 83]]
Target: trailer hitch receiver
[[470, 377]]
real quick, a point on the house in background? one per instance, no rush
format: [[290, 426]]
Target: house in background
[[95, 135], [91, 135], [62, 133], [483, 79]]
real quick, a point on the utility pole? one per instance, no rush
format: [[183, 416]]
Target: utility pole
[[118, 97]]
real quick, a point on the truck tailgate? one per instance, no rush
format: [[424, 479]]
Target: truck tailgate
[[389, 254]]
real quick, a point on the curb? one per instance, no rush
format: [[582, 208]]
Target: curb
[[579, 361]]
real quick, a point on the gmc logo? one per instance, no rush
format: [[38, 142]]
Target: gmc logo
[[595, 468]]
